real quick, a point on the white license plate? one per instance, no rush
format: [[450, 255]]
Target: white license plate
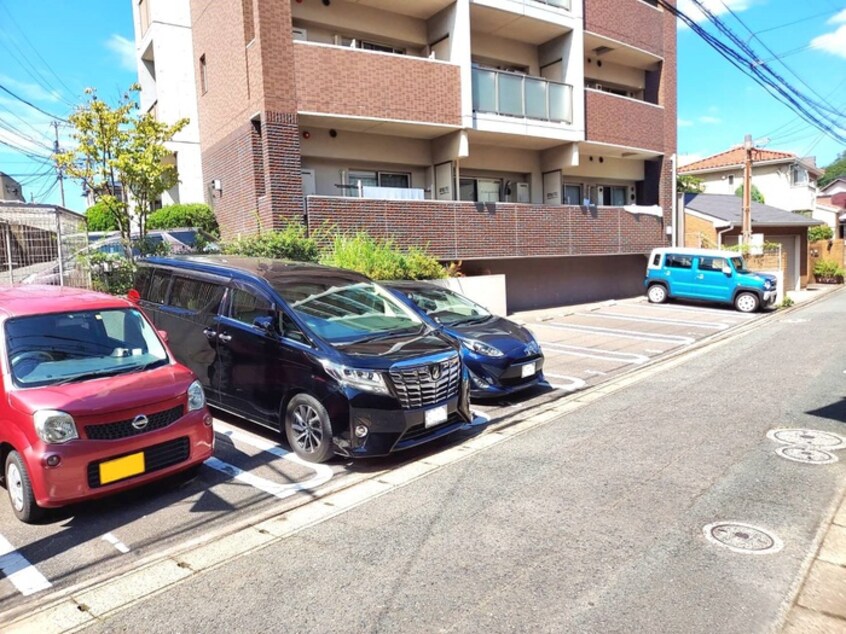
[[527, 370], [436, 416]]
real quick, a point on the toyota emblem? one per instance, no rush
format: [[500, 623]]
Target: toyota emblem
[[140, 422], [435, 372]]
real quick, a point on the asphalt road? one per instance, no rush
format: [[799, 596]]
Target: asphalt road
[[591, 522]]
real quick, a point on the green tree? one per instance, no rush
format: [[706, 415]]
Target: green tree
[[835, 170], [689, 184], [100, 218], [117, 151], [757, 196], [197, 215]]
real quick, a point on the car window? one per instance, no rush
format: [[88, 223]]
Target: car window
[[656, 261], [142, 281], [246, 306], [158, 286], [76, 346], [196, 295], [675, 261], [291, 330], [711, 263], [447, 306]]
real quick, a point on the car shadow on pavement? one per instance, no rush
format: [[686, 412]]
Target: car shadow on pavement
[[833, 411]]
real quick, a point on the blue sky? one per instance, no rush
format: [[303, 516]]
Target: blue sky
[[51, 50]]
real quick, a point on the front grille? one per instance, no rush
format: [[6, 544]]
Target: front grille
[[415, 386], [156, 458], [124, 428]]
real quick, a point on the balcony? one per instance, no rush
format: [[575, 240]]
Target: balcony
[[622, 121], [517, 95], [344, 82]]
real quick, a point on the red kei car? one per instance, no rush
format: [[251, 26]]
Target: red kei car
[[92, 400]]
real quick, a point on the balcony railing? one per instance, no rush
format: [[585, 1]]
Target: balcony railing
[[517, 95], [561, 4]]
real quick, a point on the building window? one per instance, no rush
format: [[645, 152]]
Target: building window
[[798, 175], [731, 180], [204, 83], [483, 190], [352, 42], [372, 178], [613, 196], [572, 194]]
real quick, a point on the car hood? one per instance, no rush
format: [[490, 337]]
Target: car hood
[[107, 394], [760, 276], [498, 332], [380, 353]]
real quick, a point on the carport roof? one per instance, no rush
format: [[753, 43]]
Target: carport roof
[[729, 209]]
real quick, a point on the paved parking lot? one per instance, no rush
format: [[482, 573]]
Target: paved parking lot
[[254, 476]]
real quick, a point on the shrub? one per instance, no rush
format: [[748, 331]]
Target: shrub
[[828, 269], [290, 243], [197, 215], [100, 219], [110, 272], [755, 194], [381, 259], [820, 232]]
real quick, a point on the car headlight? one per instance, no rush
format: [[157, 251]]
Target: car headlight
[[767, 285], [54, 427], [481, 348], [367, 380], [196, 396]]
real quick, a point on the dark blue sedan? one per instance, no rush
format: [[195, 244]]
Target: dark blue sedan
[[501, 356]]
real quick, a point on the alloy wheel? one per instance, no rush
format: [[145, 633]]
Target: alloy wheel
[[307, 428]]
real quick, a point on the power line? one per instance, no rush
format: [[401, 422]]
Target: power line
[[31, 105]]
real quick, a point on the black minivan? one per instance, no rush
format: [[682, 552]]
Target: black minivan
[[325, 354]]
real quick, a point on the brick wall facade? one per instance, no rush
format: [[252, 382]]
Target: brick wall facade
[[620, 121], [631, 21], [331, 80], [463, 230]]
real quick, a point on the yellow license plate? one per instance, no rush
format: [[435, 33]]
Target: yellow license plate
[[121, 468]]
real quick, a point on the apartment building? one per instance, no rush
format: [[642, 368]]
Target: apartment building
[[166, 75], [533, 138]]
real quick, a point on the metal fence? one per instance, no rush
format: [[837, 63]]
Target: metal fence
[[42, 245]]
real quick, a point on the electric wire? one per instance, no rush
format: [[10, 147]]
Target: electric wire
[[31, 105]]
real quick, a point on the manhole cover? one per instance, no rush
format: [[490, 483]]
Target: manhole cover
[[808, 455], [742, 538], [807, 438]]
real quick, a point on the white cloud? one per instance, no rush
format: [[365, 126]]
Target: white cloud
[[31, 92], [835, 41], [709, 120], [716, 7], [684, 123], [125, 51], [686, 159]]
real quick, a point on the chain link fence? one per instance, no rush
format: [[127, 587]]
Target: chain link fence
[[42, 244]]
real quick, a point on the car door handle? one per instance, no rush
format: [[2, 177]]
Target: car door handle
[[700, 277], [224, 338], [209, 333]]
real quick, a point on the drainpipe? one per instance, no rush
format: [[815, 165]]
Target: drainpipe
[[721, 230], [675, 203]]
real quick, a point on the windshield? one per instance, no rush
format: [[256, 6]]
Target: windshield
[[343, 313], [739, 265], [447, 307], [65, 347]]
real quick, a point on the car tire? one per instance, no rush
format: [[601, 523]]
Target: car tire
[[308, 428], [657, 294], [747, 302], [19, 488]]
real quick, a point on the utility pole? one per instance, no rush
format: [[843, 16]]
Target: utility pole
[[59, 174], [747, 191]]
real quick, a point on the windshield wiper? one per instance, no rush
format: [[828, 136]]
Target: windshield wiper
[[384, 335], [110, 372]]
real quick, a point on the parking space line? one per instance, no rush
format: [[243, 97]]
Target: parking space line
[[624, 334], [114, 541], [703, 310], [595, 353], [575, 383], [596, 373], [23, 575], [679, 322]]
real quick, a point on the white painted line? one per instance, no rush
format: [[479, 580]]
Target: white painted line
[[595, 353], [704, 310], [323, 473], [624, 334], [23, 575], [710, 325], [574, 385], [114, 541], [653, 351], [596, 373]]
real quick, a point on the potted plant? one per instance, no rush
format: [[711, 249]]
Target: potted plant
[[828, 272]]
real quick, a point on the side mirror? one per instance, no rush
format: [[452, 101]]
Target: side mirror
[[163, 335], [727, 270], [265, 323]]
